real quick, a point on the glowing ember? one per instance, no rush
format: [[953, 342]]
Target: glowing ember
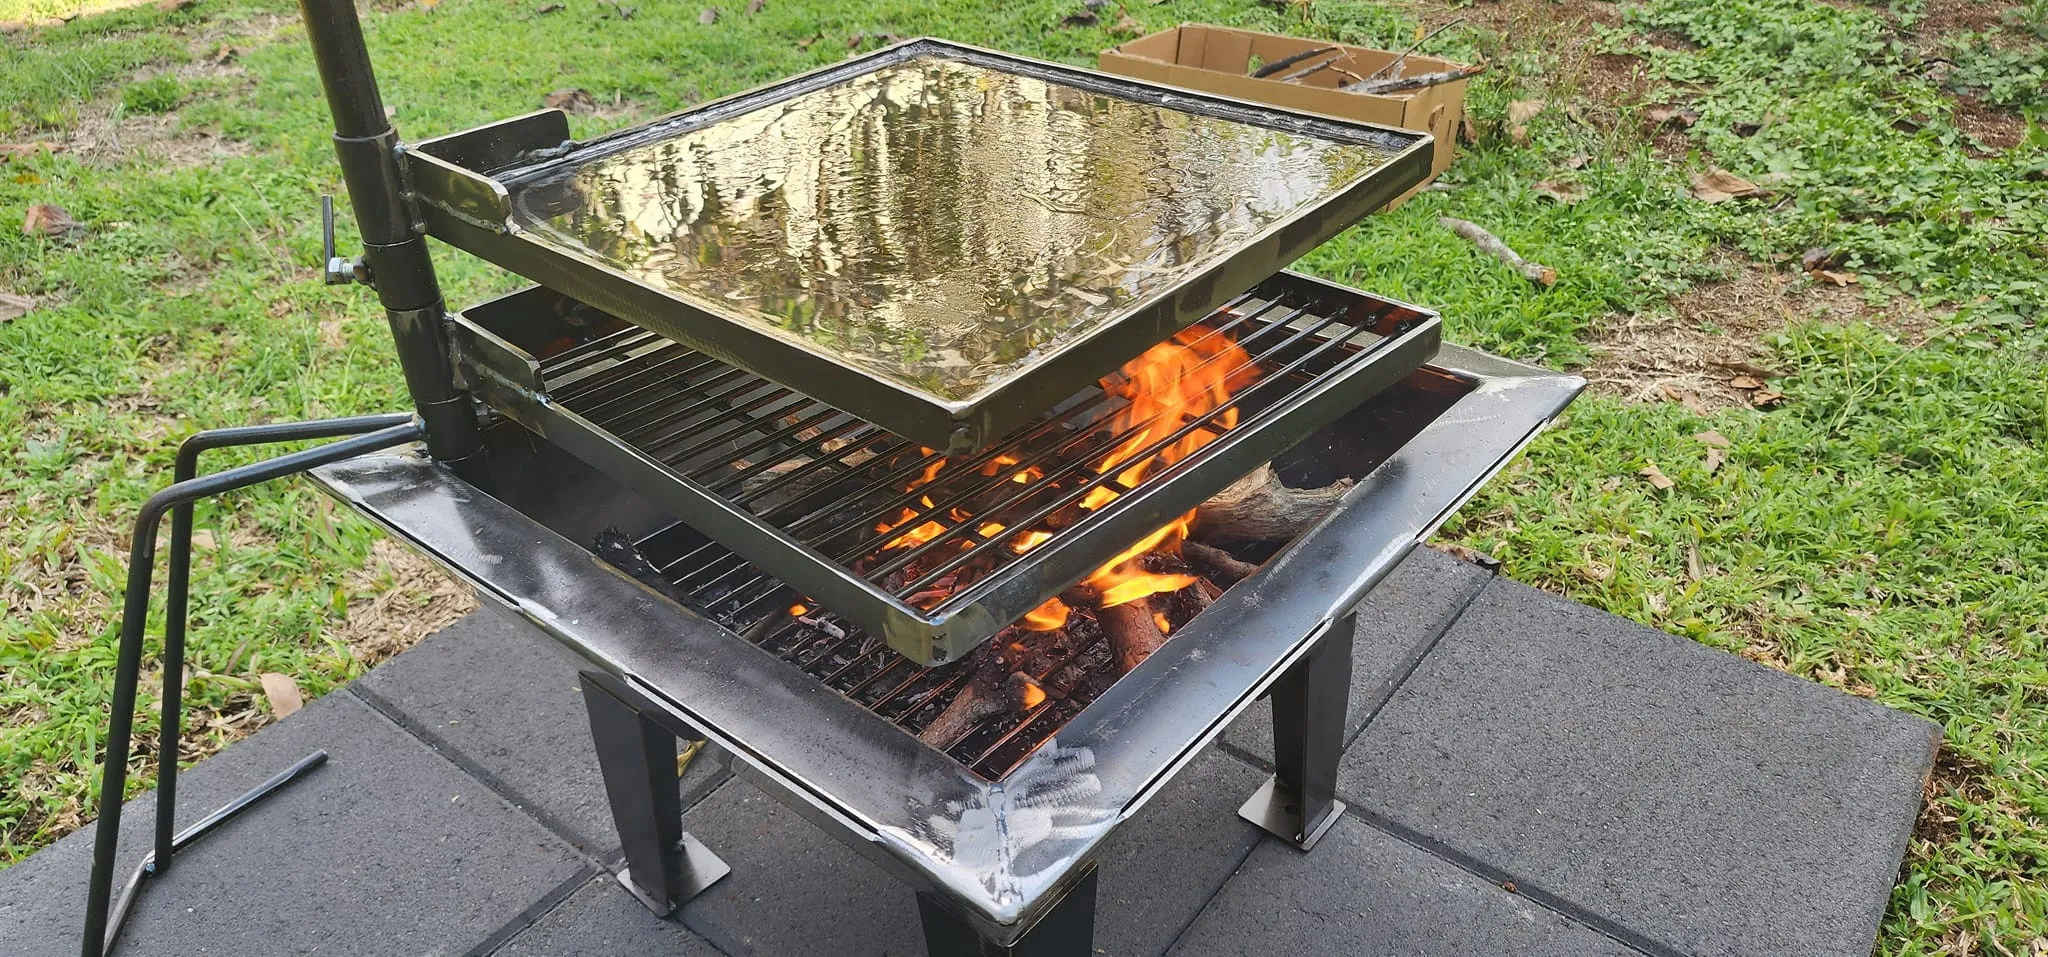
[[1165, 627], [798, 609], [1033, 695]]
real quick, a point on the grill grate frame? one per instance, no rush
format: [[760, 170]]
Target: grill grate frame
[[814, 494]]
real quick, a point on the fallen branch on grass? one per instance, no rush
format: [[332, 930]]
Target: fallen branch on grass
[[1491, 245]]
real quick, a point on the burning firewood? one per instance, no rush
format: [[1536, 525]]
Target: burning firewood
[[1217, 565], [992, 688], [1257, 508], [1133, 632]]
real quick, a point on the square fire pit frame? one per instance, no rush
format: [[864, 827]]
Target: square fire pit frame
[[989, 859]]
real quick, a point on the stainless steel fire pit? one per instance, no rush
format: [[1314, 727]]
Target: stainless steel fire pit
[[995, 840]]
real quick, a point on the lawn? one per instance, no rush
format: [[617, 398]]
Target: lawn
[[1856, 456]]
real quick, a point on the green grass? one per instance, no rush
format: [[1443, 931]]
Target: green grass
[[1882, 532]]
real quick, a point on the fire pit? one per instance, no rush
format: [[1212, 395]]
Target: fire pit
[[968, 612]]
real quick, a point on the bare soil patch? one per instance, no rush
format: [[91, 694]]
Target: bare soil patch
[[1705, 351]]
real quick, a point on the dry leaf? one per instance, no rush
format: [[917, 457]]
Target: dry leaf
[[1662, 113], [1578, 161], [1466, 554], [1520, 112], [1656, 476], [570, 101], [1467, 133], [1691, 402], [755, 6], [1765, 398], [854, 42], [1746, 382], [1719, 186], [1747, 368], [47, 219], [1125, 26], [708, 17], [548, 8], [805, 43], [27, 178], [224, 54], [1713, 438], [429, 4], [1838, 278], [1714, 459], [1080, 18], [13, 307], [1566, 193], [282, 692], [173, 6], [1694, 568]]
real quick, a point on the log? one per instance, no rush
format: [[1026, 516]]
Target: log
[[1216, 565], [1133, 635], [992, 689], [1258, 508], [1489, 244]]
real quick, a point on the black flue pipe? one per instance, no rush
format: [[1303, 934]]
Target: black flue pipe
[[394, 246]]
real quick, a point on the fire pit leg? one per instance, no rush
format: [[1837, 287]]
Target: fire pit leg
[[1067, 930], [637, 755], [1299, 802]]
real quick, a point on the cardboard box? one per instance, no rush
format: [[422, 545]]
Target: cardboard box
[[1219, 60]]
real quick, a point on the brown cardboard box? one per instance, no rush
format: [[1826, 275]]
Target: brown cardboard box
[[1218, 60]]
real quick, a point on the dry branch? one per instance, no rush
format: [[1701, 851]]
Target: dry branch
[[1491, 245], [1416, 82], [1285, 62]]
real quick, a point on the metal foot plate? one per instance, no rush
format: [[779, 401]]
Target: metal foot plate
[[1276, 813], [701, 869]]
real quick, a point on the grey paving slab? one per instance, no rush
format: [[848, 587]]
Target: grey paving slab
[[388, 849], [602, 918], [1710, 805], [1397, 622], [1364, 893], [504, 701], [796, 890]]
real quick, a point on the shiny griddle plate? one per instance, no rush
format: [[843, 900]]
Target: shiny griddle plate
[[814, 495], [941, 240]]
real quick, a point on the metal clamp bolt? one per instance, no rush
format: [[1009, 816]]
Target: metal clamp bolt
[[339, 270]]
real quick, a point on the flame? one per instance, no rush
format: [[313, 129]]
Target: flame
[[1186, 378], [797, 609], [1029, 540], [930, 471], [916, 536], [1033, 695], [1051, 616], [1170, 383], [1165, 627]]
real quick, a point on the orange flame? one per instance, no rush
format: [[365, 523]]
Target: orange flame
[[1051, 616], [1029, 540], [797, 609], [1033, 695], [1165, 627]]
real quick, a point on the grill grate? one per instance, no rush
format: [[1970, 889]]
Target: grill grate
[[850, 490], [726, 588]]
